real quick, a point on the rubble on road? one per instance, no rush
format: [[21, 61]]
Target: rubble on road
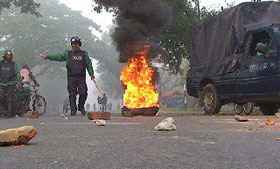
[[270, 122], [19, 136], [99, 122], [241, 118], [167, 124], [34, 115], [99, 115]]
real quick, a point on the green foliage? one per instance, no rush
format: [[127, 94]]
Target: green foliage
[[29, 37], [175, 39], [26, 6]]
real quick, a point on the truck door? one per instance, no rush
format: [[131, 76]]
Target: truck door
[[258, 72]]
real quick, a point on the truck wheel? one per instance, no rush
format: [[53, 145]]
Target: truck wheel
[[238, 108], [210, 100], [269, 109], [248, 108]]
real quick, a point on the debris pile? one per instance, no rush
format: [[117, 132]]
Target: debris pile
[[270, 122]]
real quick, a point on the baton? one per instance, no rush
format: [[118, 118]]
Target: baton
[[98, 88]]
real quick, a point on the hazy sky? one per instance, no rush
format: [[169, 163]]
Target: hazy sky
[[104, 19]]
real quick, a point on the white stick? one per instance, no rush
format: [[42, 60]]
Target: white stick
[[98, 88]]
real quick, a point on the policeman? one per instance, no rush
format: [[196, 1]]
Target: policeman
[[9, 79], [77, 62]]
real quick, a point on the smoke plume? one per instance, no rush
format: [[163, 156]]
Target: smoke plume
[[137, 22]]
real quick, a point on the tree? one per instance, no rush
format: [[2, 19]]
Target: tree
[[175, 39], [26, 6], [31, 36]]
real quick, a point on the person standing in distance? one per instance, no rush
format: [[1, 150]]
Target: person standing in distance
[[9, 80], [77, 62]]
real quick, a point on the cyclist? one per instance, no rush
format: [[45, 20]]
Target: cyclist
[[27, 76]]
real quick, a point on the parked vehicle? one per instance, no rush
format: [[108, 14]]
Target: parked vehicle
[[235, 59]]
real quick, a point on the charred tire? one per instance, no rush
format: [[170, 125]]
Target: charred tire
[[210, 100], [269, 109]]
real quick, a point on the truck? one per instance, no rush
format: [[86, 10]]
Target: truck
[[235, 58]]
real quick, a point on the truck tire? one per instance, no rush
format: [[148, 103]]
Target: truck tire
[[248, 108], [210, 100], [238, 109], [269, 109]]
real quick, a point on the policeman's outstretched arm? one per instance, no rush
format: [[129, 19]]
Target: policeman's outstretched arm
[[57, 57]]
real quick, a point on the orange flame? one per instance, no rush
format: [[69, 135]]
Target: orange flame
[[137, 77]]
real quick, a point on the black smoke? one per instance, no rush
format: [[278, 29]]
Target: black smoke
[[137, 22]]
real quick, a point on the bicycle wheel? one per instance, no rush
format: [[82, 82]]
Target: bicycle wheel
[[39, 104]]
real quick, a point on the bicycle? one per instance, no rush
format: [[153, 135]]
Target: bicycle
[[24, 96], [38, 102]]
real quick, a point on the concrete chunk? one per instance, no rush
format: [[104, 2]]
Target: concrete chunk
[[17, 136], [167, 124]]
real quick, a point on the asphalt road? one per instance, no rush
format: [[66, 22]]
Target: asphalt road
[[199, 142]]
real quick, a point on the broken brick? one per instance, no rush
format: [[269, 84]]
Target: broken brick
[[270, 122], [99, 115], [34, 115]]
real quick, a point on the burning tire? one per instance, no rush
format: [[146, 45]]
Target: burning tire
[[210, 100], [151, 111], [269, 109]]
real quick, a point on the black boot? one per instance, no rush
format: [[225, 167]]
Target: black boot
[[73, 106], [82, 101], [83, 111]]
